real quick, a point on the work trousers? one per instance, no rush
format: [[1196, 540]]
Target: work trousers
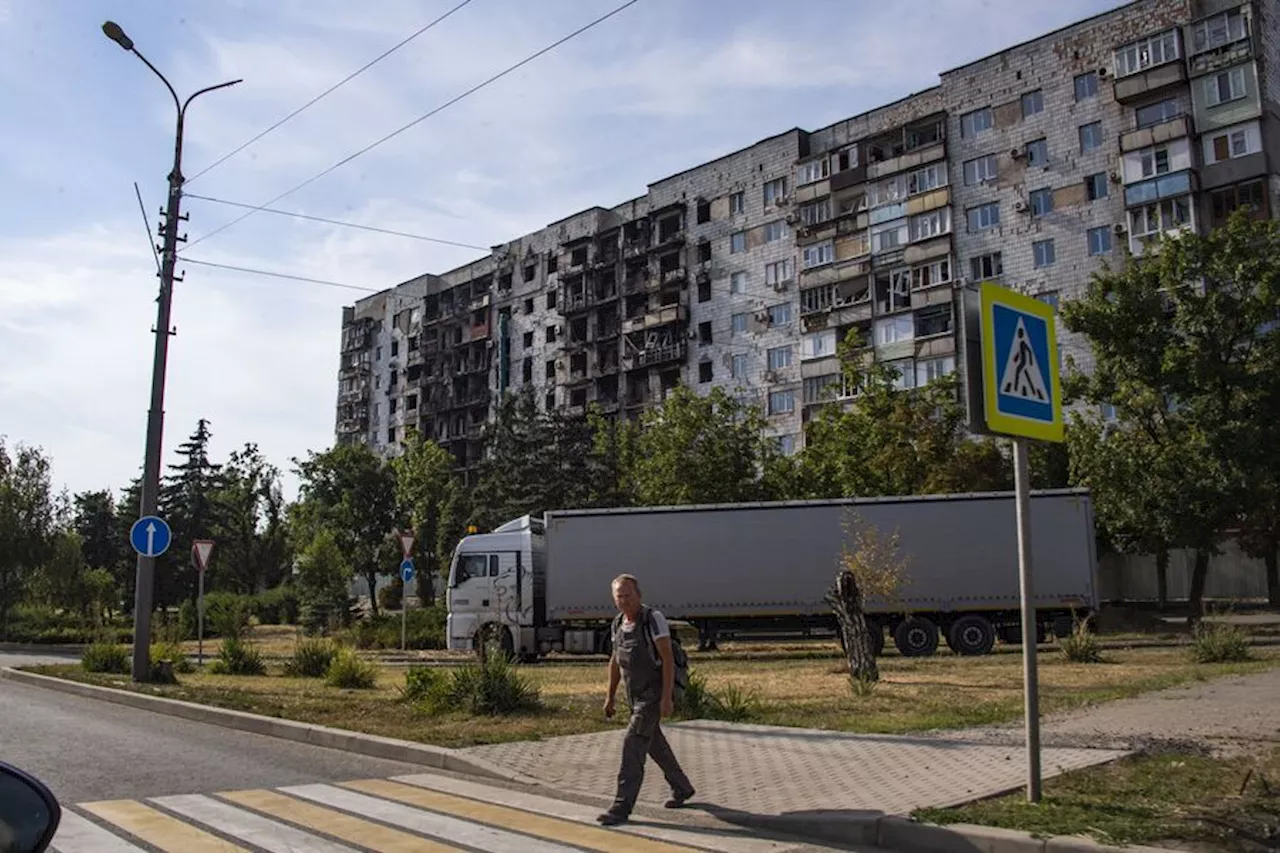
[[644, 738]]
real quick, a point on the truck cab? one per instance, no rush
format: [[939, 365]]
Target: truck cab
[[496, 581]]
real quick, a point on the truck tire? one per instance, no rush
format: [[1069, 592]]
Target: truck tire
[[916, 637], [972, 635]]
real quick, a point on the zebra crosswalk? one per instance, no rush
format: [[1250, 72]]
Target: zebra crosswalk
[[420, 812]]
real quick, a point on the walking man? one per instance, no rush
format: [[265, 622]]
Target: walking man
[[642, 656]]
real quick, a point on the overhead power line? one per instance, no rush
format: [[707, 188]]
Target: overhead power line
[[330, 90], [496, 77], [335, 222], [303, 278], [142, 207]]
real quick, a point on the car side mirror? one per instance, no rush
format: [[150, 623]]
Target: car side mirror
[[29, 813]]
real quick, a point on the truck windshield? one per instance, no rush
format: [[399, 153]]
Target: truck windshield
[[469, 566]]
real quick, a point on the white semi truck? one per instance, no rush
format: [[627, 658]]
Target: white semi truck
[[540, 585]]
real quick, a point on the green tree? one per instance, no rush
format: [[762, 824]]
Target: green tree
[[425, 486], [699, 449], [1185, 347], [26, 522], [252, 550], [323, 581], [350, 492], [60, 580], [613, 450], [104, 549], [188, 504]]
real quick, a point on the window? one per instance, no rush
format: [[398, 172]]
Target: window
[[528, 306], [704, 291], [553, 263], [780, 314], [528, 340], [820, 388], [889, 236], [1218, 31], [395, 348], [814, 170], [786, 444], [392, 405], [737, 242], [737, 203], [1038, 153], [526, 371], [1166, 215], [551, 299], [549, 371], [377, 354], [775, 190], [931, 369], [905, 373], [934, 320], [1086, 85], [817, 299], [817, 255], [704, 371], [1050, 299], [411, 402], [738, 283], [779, 357], [739, 323], [704, 212], [704, 251], [1224, 87], [777, 272], [1167, 186], [931, 224], [1107, 411], [392, 378], [738, 367], [704, 332], [1224, 202], [391, 435], [975, 122], [1090, 136], [1232, 143], [980, 169], [1043, 253], [549, 402], [924, 180], [986, 266], [1155, 161], [984, 216], [818, 345], [774, 231], [938, 272], [895, 330], [1095, 186], [1041, 202], [1099, 240], [551, 334], [1147, 53], [819, 211], [1032, 103], [782, 402], [1157, 113]]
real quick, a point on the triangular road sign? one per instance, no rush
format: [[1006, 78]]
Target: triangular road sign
[[406, 542], [1022, 376], [201, 549]]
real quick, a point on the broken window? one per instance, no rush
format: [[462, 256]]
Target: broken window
[[704, 251], [527, 371], [933, 320], [814, 170], [553, 262], [669, 227], [704, 211], [395, 348], [704, 332], [530, 272], [504, 281], [704, 291], [528, 340], [578, 256], [774, 191], [704, 371], [893, 290], [551, 369], [551, 299]]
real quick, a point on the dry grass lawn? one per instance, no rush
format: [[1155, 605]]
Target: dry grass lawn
[[800, 687]]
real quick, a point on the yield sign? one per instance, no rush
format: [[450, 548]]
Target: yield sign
[[406, 542], [201, 549]]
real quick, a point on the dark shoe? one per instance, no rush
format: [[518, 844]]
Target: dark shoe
[[677, 801], [611, 818]]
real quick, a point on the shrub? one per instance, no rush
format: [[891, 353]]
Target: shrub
[[187, 620], [696, 699], [425, 630], [734, 705], [172, 652], [860, 687], [419, 682], [311, 659], [236, 657], [348, 670], [1081, 645], [492, 688], [105, 656], [1220, 642], [226, 614], [391, 596], [277, 606]]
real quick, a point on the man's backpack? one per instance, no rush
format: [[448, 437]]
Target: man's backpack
[[681, 681]]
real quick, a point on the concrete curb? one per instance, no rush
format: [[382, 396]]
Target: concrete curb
[[437, 757], [42, 648]]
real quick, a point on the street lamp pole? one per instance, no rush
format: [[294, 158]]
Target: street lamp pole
[[155, 415]]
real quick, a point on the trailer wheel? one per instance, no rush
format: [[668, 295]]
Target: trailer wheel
[[916, 637], [971, 635]]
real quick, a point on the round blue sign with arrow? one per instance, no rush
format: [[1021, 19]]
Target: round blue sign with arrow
[[150, 536], [406, 570]]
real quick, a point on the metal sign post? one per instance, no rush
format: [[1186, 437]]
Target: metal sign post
[[406, 538], [1021, 398], [200, 551]]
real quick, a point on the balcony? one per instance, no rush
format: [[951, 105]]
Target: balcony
[[349, 425], [1134, 87], [1166, 131], [1161, 187], [907, 160], [674, 276], [660, 317], [651, 356]]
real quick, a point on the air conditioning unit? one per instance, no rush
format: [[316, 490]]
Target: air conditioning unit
[[1119, 228], [1020, 206], [781, 285], [793, 218], [771, 376], [762, 316], [1115, 177]]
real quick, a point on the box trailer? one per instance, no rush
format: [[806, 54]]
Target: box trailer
[[538, 585]]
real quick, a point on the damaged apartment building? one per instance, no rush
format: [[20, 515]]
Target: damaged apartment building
[[1031, 167]]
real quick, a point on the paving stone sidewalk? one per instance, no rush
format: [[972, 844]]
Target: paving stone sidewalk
[[770, 770]]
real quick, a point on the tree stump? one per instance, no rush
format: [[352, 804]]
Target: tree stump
[[846, 601]]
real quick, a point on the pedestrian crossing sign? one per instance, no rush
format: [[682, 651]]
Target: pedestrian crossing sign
[[1022, 388]]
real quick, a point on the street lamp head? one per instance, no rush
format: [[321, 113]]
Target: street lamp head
[[113, 31]]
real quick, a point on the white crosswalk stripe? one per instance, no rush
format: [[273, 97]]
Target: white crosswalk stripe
[[259, 831], [75, 834]]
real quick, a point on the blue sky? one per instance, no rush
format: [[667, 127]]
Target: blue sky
[[661, 87]]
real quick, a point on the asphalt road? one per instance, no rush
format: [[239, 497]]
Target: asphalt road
[[84, 749]]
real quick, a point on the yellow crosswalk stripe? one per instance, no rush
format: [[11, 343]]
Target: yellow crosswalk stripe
[[554, 829], [159, 829], [372, 836]]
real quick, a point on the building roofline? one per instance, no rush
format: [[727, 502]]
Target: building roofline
[[734, 153], [1051, 34]]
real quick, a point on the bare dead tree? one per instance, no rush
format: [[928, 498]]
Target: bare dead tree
[[872, 566]]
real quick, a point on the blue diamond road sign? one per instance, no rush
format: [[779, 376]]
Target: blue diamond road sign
[[150, 536], [406, 571], [1020, 365]]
